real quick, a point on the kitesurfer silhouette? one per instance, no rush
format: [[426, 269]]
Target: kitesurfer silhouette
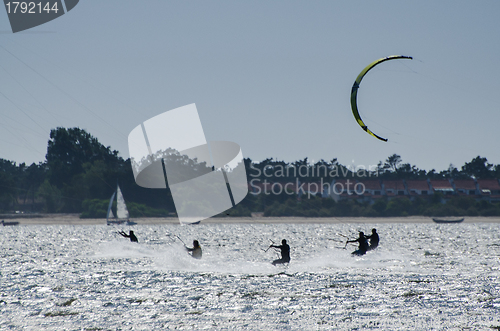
[[285, 253], [363, 244], [196, 250], [374, 239], [131, 235]]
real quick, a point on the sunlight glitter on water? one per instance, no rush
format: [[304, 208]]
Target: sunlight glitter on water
[[422, 276]]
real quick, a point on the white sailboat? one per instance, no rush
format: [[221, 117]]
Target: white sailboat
[[122, 215]]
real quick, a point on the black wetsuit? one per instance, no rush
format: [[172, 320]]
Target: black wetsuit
[[363, 246], [132, 236], [285, 254], [373, 241], [195, 252]]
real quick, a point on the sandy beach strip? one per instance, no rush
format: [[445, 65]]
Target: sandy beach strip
[[74, 219]]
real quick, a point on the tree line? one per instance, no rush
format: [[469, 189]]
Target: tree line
[[79, 175]]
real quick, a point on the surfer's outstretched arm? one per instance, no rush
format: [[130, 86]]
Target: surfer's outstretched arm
[[123, 234]]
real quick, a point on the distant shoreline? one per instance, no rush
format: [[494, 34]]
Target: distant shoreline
[[74, 219]]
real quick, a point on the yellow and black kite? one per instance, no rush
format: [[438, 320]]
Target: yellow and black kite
[[354, 91]]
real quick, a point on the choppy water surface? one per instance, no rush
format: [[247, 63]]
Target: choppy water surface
[[422, 276]]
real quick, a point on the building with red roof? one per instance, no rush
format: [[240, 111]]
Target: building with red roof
[[369, 190], [465, 187], [392, 188], [441, 186], [489, 189], [418, 187]]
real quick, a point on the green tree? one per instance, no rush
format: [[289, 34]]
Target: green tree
[[51, 196], [452, 172], [392, 163], [398, 207], [69, 149], [7, 191], [33, 177], [478, 168], [380, 206]]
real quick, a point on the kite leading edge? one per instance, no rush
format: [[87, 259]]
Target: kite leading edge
[[355, 87]]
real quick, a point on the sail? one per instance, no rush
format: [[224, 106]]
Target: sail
[[355, 87], [109, 214], [121, 207]]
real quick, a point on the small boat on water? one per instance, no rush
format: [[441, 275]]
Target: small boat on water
[[122, 216], [443, 220], [9, 223]]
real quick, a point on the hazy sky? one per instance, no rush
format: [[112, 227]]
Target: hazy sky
[[272, 76]]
